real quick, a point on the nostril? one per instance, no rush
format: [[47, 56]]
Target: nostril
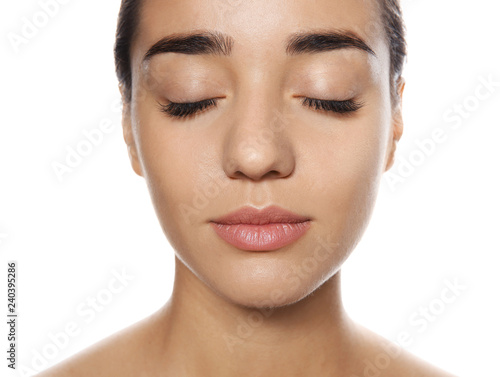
[[272, 173]]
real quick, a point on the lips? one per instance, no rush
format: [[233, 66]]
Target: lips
[[261, 230]]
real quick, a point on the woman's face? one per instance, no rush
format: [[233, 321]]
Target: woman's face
[[261, 145]]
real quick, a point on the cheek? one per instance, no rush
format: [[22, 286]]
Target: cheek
[[353, 161], [179, 168], [345, 176]]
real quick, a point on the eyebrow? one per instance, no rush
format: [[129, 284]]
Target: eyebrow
[[217, 43]]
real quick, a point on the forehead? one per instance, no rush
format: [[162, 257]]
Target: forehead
[[258, 24]]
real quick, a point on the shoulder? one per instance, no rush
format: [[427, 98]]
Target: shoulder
[[111, 356], [385, 358]]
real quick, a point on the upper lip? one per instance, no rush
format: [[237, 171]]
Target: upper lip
[[254, 216]]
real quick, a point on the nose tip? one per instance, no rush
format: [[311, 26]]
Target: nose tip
[[258, 153], [257, 169]]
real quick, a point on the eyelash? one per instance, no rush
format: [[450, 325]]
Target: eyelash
[[185, 110]]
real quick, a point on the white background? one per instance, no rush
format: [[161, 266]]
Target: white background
[[440, 223]]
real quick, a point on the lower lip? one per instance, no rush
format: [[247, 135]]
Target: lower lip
[[261, 237]]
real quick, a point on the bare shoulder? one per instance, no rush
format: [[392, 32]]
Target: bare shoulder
[[382, 357], [115, 355]]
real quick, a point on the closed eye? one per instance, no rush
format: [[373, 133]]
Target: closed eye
[[185, 110], [340, 107], [188, 109]]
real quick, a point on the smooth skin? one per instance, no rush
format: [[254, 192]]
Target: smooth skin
[[235, 312]]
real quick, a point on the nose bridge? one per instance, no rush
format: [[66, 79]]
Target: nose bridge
[[257, 144]]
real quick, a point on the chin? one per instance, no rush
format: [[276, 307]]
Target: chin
[[263, 288]]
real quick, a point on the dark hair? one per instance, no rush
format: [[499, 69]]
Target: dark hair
[[128, 20], [395, 29]]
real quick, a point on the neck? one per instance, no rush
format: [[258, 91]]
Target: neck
[[214, 337]]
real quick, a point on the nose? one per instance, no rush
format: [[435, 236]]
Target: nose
[[257, 145]]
